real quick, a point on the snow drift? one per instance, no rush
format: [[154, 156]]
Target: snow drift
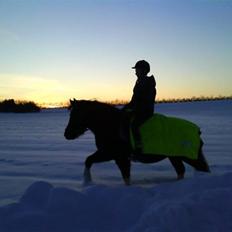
[[202, 203], [32, 148]]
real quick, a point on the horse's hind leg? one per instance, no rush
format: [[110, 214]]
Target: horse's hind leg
[[179, 166], [202, 164], [96, 157]]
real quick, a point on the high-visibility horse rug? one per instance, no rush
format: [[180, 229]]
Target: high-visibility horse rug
[[162, 135]]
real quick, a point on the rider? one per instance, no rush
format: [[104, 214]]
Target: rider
[[142, 101]]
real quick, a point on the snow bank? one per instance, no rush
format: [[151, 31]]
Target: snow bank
[[202, 203], [199, 203]]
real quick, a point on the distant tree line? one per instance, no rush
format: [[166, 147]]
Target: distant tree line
[[194, 99], [18, 107], [177, 100]]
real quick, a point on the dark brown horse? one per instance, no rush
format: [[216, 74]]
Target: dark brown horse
[[104, 121]]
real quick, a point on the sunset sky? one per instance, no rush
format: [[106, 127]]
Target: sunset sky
[[53, 50]]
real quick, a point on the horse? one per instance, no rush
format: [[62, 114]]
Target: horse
[[105, 122]]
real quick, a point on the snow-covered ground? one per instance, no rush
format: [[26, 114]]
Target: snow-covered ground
[[41, 179]]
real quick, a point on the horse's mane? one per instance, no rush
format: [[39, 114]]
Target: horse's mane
[[99, 105]]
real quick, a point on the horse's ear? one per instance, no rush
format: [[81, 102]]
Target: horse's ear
[[72, 102]]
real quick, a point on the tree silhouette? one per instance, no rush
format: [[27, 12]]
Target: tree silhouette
[[20, 107]]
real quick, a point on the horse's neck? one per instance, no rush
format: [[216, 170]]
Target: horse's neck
[[100, 121]]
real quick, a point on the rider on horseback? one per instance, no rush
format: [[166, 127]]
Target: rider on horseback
[[142, 102]]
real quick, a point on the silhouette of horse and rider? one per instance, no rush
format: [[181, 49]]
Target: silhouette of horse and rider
[[124, 135]]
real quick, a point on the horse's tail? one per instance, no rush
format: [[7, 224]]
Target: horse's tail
[[200, 164]]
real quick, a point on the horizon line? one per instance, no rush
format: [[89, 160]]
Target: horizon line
[[123, 102]]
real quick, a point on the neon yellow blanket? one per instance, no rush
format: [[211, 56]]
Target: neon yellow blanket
[[169, 136]]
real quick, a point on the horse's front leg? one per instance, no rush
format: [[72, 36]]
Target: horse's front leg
[[87, 176], [96, 157], [124, 165]]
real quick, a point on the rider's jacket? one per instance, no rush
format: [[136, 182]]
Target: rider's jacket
[[144, 93]]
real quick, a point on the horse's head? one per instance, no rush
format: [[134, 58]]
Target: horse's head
[[77, 121]]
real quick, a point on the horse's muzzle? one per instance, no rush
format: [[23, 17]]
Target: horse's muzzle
[[69, 136]]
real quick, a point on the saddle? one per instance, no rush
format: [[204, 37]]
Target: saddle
[[169, 136]]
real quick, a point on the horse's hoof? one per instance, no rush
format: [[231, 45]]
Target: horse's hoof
[[87, 183], [180, 177], [127, 181], [87, 176]]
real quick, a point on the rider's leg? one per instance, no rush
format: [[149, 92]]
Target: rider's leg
[[135, 125]]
